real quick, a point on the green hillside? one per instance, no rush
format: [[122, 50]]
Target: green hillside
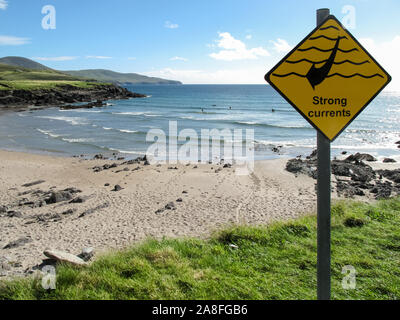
[[24, 63], [12, 77], [23, 73], [119, 78], [13, 73]]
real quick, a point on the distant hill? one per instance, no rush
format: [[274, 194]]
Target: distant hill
[[24, 63], [27, 69], [17, 73], [118, 78]]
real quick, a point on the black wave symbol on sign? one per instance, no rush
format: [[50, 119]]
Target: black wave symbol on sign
[[329, 27], [327, 38], [329, 76], [322, 61], [328, 50]]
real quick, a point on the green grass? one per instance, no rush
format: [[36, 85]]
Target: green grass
[[19, 78], [272, 262], [45, 84]]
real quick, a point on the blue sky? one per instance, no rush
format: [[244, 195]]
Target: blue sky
[[207, 41]]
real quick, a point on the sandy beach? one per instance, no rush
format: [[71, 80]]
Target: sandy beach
[[154, 201], [210, 200]]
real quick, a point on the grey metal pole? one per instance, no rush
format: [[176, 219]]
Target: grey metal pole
[[323, 205]]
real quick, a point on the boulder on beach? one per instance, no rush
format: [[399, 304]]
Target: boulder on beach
[[361, 157], [64, 257], [59, 196], [389, 160]]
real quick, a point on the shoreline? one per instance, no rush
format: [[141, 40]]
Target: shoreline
[[118, 205], [63, 96]]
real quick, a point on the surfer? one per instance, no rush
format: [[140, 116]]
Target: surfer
[[317, 75]]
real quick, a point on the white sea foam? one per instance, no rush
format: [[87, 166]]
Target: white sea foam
[[78, 140], [48, 133], [146, 114], [72, 120]]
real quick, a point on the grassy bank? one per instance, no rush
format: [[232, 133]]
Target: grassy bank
[[45, 84], [19, 78], [274, 262]]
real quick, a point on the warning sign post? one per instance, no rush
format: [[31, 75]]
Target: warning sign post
[[329, 78]]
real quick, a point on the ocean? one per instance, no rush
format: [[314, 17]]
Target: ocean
[[122, 126]]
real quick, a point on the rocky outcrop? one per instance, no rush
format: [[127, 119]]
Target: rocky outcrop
[[64, 95], [353, 177]]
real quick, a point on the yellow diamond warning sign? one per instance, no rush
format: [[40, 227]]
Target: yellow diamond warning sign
[[329, 78]]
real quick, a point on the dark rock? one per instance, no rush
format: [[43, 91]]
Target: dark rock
[[107, 184], [48, 217], [30, 184], [146, 163], [59, 196], [86, 254], [184, 192], [313, 155], [179, 200], [297, 166], [382, 190], [347, 190], [227, 165], [78, 200], [389, 160], [344, 152], [393, 175], [275, 149], [170, 206], [14, 214], [117, 187], [360, 157], [3, 209], [72, 190], [90, 211], [358, 171], [18, 243], [98, 156], [68, 212]]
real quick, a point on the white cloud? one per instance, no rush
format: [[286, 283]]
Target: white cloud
[[226, 76], [178, 59], [387, 55], [12, 41], [3, 4], [62, 58], [235, 49], [98, 57], [170, 25], [281, 46], [249, 37]]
